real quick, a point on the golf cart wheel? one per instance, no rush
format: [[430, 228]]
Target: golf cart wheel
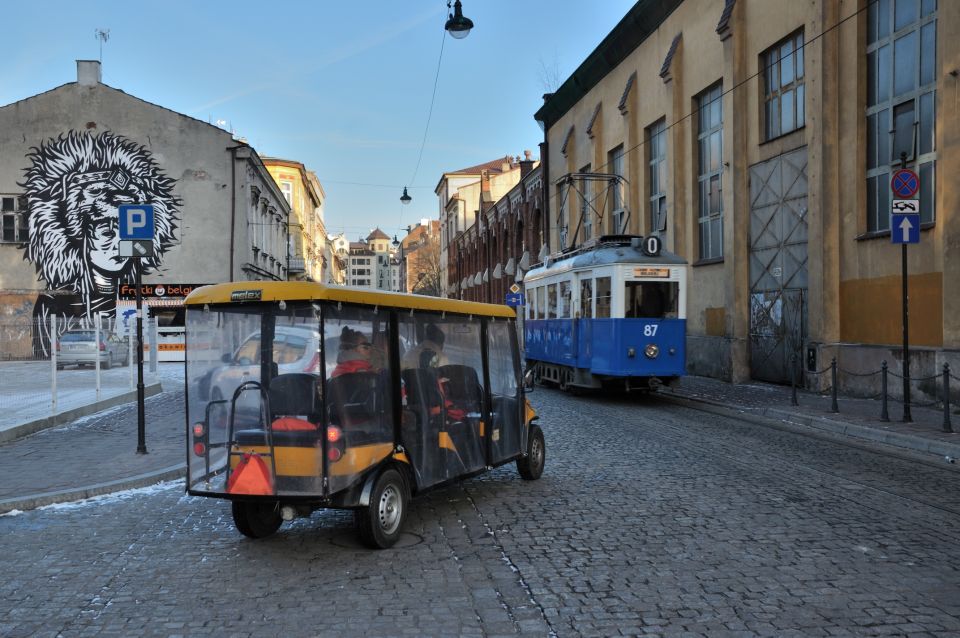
[[256, 519], [530, 466], [380, 522]]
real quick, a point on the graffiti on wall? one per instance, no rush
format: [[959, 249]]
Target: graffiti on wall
[[75, 185]]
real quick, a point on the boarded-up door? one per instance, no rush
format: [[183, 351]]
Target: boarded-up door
[[778, 265]]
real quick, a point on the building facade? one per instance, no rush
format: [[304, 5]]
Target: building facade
[[303, 192], [338, 248], [419, 259], [457, 213], [495, 251], [757, 138], [486, 222], [73, 155], [369, 262]]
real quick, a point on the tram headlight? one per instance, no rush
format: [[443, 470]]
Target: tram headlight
[[652, 351]]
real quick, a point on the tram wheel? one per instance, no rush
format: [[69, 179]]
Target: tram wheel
[[530, 467], [256, 520], [380, 522]]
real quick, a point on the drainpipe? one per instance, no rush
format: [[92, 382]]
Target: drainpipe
[[233, 205], [545, 191]]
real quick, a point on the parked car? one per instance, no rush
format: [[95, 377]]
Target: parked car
[[295, 349], [80, 348]]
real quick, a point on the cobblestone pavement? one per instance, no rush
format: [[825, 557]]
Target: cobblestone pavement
[[651, 518], [63, 458]]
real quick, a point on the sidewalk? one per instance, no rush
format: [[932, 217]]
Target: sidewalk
[[769, 404], [94, 454], [97, 454]]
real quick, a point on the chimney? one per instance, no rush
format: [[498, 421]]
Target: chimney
[[526, 164], [88, 72]]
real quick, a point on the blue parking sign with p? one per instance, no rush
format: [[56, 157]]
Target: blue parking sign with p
[[136, 221]]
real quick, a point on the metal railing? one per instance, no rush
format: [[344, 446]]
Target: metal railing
[[38, 378], [941, 381]]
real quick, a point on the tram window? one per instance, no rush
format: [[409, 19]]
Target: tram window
[[651, 299], [564, 299], [541, 309], [603, 297], [552, 301], [586, 298]]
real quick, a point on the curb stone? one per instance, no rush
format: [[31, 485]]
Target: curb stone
[[32, 427], [33, 501], [782, 419]]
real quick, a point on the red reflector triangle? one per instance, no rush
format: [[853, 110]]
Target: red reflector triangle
[[251, 476]]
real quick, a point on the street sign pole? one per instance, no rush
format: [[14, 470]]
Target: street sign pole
[[907, 417], [141, 412], [136, 228]]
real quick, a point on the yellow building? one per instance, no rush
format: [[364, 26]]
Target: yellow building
[[308, 258], [757, 138]]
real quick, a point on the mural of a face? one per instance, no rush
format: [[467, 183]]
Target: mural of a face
[[99, 204], [74, 187]]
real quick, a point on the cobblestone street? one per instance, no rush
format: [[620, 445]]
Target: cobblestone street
[[650, 518]]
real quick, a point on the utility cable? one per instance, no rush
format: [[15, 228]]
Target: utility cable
[[426, 129]]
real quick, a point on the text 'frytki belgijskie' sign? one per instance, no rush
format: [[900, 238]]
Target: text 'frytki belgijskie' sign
[[128, 291]]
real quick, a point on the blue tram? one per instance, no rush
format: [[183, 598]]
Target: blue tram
[[610, 316]]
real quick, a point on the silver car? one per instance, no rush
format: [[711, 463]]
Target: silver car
[[80, 347]]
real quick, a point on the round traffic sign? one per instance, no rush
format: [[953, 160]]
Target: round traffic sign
[[904, 184]]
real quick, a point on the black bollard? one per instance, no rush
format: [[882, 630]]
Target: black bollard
[[833, 390], [947, 426], [793, 380], [884, 415]]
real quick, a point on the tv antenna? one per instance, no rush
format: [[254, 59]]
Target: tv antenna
[[103, 35]]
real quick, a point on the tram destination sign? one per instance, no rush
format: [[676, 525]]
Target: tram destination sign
[[640, 271]]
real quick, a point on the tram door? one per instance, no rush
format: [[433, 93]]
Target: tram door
[[583, 324]]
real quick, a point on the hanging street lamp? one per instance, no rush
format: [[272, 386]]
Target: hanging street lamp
[[458, 26], [405, 199]]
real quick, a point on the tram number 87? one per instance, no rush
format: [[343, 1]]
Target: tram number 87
[[650, 329]]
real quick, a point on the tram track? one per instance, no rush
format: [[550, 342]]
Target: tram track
[[771, 464]]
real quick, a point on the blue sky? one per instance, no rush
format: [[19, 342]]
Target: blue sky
[[343, 87]]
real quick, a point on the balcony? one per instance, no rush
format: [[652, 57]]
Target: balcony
[[296, 265]]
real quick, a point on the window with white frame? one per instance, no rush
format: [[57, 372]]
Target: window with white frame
[[901, 99], [615, 166], [783, 95], [710, 171], [586, 215], [657, 161], [13, 209], [287, 189]]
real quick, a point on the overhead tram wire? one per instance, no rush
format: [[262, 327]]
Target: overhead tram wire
[[742, 82], [426, 129]]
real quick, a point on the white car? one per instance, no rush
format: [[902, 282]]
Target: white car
[[295, 349]]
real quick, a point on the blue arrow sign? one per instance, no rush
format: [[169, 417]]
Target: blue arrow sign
[[136, 221], [515, 299], [905, 229]]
